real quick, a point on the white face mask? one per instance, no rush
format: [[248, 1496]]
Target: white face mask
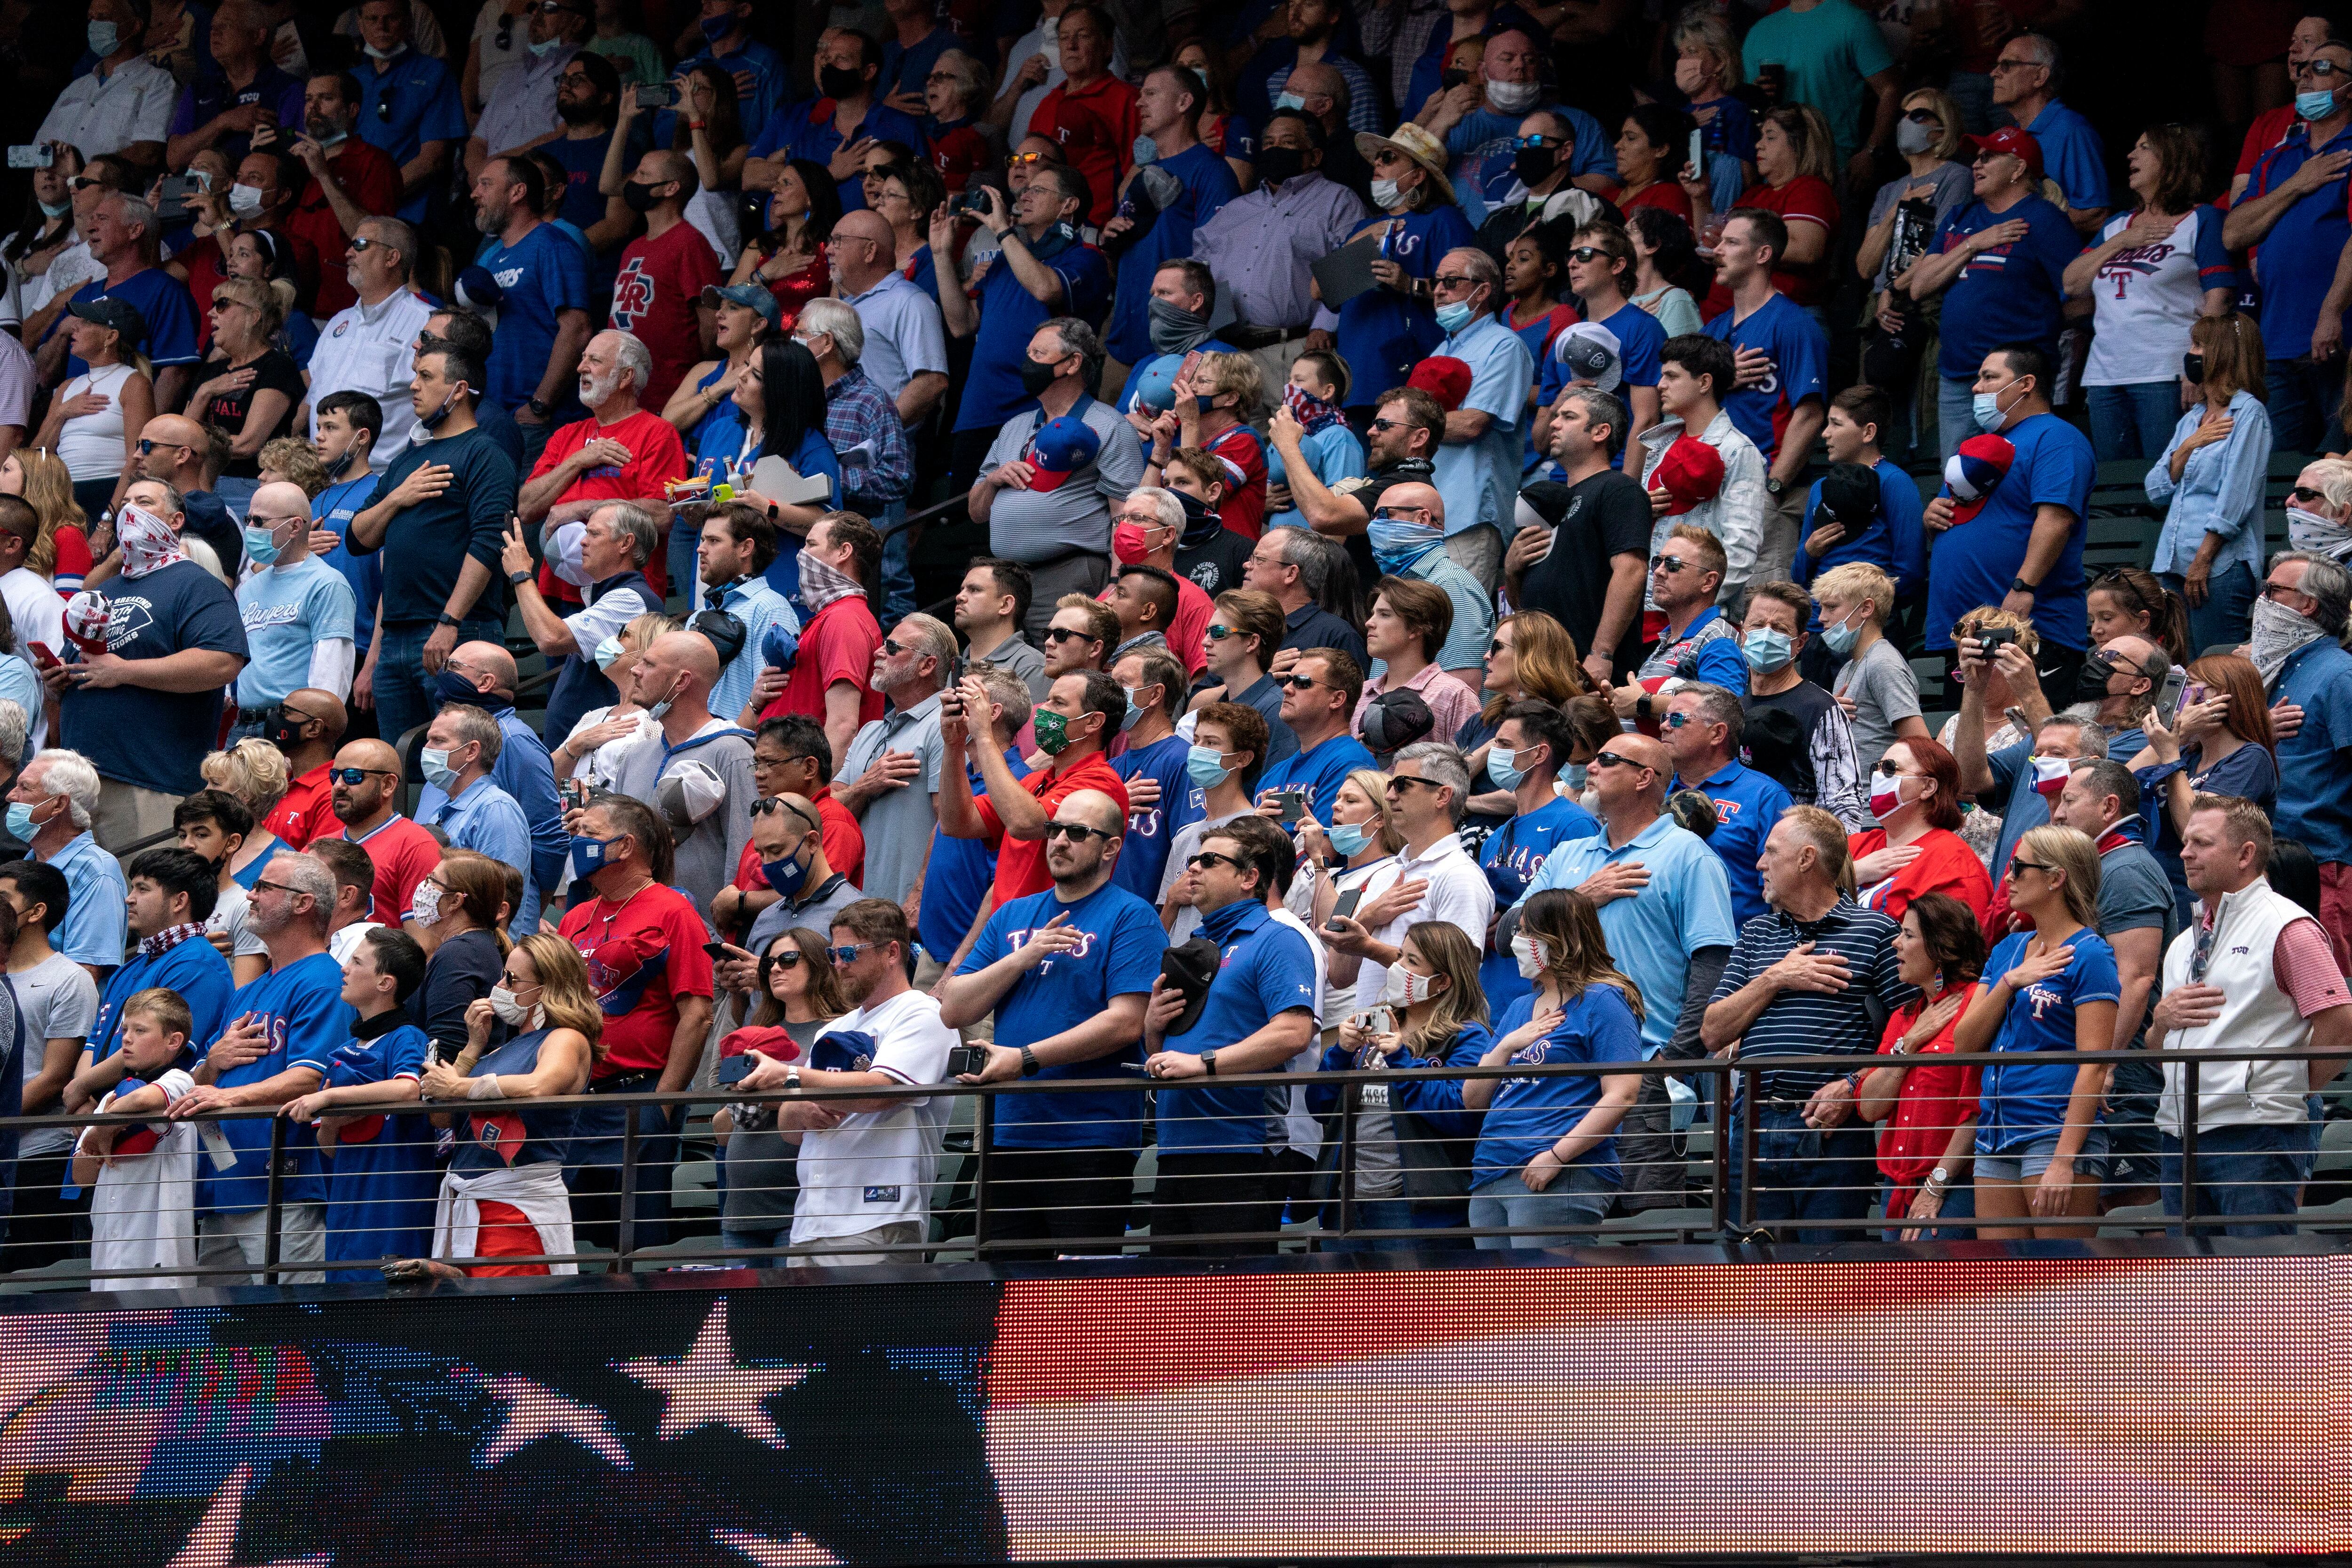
[[1385, 193], [1512, 97], [424, 905], [1529, 952], [511, 1011], [1404, 989]]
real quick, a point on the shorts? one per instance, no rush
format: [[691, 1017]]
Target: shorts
[[2027, 1161]]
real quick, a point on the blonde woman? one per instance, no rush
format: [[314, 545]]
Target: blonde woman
[[454, 916], [1411, 1142], [1214, 406], [1980, 828], [94, 423], [61, 553], [254, 772], [1931, 137], [1706, 68], [1546, 1154], [1797, 178], [2045, 994], [247, 389], [591, 752], [503, 1194], [1342, 860], [1531, 656]]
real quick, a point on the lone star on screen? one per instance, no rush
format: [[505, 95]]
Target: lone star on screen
[[213, 1543], [535, 1411], [709, 1387]]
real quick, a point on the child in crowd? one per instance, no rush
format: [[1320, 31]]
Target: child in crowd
[[1874, 685], [142, 1175]]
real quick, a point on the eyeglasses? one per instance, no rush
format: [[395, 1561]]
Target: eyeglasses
[[1077, 833], [362, 243], [1302, 682], [1889, 771], [1385, 157], [2322, 69], [1922, 117], [1668, 564], [1520, 143], [1675, 720], [893, 649], [1208, 858], [1063, 634], [1611, 759], [147, 448], [2276, 593], [1497, 646], [2004, 65], [1020, 158], [848, 953], [787, 958], [1141, 519], [1451, 280], [354, 775], [767, 803], [2016, 865], [276, 887], [1399, 780]]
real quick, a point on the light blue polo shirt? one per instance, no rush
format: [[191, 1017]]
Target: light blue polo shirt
[[485, 819], [1479, 480], [94, 931], [1652, 935], [759, 607], [287, 610]]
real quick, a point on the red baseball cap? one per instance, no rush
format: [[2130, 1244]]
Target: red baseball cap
[[1446, 380], [2016, 140], [1691, 474]]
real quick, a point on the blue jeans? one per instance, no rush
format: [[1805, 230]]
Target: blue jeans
[[777, 1235], [2227, 616], [2132, 421], [1803, 1173], [1580, 1195], [594, 1172], [404, 688], [2303, 401], [2256, 1169], [534, 442], [897, 568], [1391, 1214], [1955, 418]]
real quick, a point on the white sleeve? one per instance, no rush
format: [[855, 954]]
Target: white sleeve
[[332, 661], [605, 618], [152, 122], [915, 1051], [1465, 903]]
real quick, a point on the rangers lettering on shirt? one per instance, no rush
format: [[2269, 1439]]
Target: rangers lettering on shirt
[[632, 296]]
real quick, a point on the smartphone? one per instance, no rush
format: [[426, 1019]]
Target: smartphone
[[718, 951], [657, 95], [733, 1070], [30, 155], [1345, 909], [1698, 152], [43, 655], [1294, 806], [2178, 691], [1376, 1020], [964, 1058]]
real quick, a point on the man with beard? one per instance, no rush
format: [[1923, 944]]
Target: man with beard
[[890, 774], [538, 282], [1407, 428], [587, 100], [350, 182], [621, 452], [366, 801]]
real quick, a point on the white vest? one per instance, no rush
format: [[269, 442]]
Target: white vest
[[2256, 1015]]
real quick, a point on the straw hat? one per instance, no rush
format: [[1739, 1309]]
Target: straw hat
[[1414, 142]]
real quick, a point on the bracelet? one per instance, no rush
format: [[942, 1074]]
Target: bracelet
[[698, 125]]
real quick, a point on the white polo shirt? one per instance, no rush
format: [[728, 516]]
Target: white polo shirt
[[1457, 894], [102, 113], [876, 1167], [904, 334], [371, 349]]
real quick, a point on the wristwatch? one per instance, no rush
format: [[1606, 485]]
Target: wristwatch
[[793, 1079], [1029, 1065], [2019, 585], [1939, 1176], [519, 578], [1209, 1061], [1773, 487], [1643, 708], [535, 406], [446, 619]]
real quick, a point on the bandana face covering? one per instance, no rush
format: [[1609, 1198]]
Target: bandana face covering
[[2279, 634], [1311, 410], [822, 583], [147, 542]]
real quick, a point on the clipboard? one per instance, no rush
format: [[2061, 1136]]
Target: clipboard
[[1348, 271]]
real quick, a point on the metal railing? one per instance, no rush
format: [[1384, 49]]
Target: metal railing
[[1722, 1206]]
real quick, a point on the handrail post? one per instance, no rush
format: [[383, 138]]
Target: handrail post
[[2190, 1109], [1351, 1101], [274, 1212], [983, 1141], [628, 1241], [1721, 1123], [1747, 1118]]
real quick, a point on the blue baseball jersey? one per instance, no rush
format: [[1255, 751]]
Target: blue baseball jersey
[[195, 968], [1265, 970], [1319, 773], [381, 1179], [1975, 561], [1119, 956], [1747, 804], [1514, 853], [1529, 1115], [1143, 858], [2027, 1099], [1799, 352], [301, 1007]]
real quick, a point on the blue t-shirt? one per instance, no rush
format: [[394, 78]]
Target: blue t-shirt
[[1319, 773], [1009, 316], [2010, 294], [1143, 858], [1747, 804], [1266, 971], [1382, 335], [1511, 857], [1120, 957], [1977, 560], [154, 739], [381, 1182], [1333, 453], [1732, 129], [813, 457], [193, 968], [164, 300], [1640, 344], [539, 275], [583, 204], [286, 612], [957, 876], [1208, 185], [2026, 1099], [1799, 352], [2295, 262], [334, 508], [771, 84], [2071, 154], [404, 105], [302, 1007], [2313, 805], [1529, 1115], [807, 131], [1896, 543]]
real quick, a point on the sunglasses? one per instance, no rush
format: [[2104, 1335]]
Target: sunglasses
[[1889, 771], [1451, 280], [1668, 564], [2322, 69], [2016, 865], [767, 803], [849, 954], [1611, 759], [355, 775], [1587, 253], [892, 648], [1675, 720], [1077, 833], [1398, 781], [1208, 858], [2305, 493], [2276, 593], [1922, 117], [787, 957], [1301, 683], [1521, 144], [1063, 634], [147, 448], [1217, 633], [1020, 158]]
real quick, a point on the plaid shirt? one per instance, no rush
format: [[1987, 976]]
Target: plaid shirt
[[856, 413]]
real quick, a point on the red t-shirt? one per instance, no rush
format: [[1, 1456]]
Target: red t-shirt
[[656, 457], [1932, 1102], [1945, 865], [660, 284], [73, 560], [1243, 506], [1021, 862], [1664, 195], [2269, 129], [844, 840], [371, 180], [643, 953], [1095, 126], [403, 854], [837, 644], [306, 810], [1803, 200]]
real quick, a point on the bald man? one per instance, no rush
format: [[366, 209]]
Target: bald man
[[1666, 909], [1408, 539], [178, 451], [483, 675], [700, 779], [310, 725], [298, 610], [365, 800], [906, 351], [1066, 972], [664, 271]]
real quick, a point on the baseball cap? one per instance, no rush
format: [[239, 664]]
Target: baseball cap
[[119, 314], [1444, 379], [88, 614], [1395, 719], [478, 290], [2014, 140], [687, 794], [1975, 471], [1850, 495], [779, 647], [751, 295], [1591, 353], [1061, 449], [1542, 505], [1191, 968], [771, 1042], [1690, 472], [842, 1051], [1155, 384]]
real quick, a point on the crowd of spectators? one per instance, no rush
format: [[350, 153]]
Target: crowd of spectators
[[1452, 506]]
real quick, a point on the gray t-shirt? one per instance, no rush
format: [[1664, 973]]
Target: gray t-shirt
[[816, 914], [710, 848], [1016, 654], [1885, 693], [762, 1169], [1038, 525], [60, 1001], [2136, 896], [1182, 848], [897, 823], [229, 917], [1954, 186]]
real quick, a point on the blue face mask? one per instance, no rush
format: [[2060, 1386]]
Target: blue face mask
[[1839, 636], [1134, 715], [450, 687], [1396, 546], [588, 855], [1452, 318], [105, 38], [21, 825], [1205, 765], [2310, 105], [261, 545], [1766, 649], [1290, 101], [787, 876], [1501, 769], [1349, 837], [1987, 412], [717, 28], [606, 652], [435, 763]]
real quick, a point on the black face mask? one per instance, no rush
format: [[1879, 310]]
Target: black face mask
[[284, 729], [2091, 685], [836, 83], [1534, 165], [1035, 378], [2193, 367], [1280, 163], [640, 196]]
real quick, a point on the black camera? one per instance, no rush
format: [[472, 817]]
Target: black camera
[[1992, 637], [964, 1058]]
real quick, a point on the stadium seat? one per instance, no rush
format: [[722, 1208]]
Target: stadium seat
[[2132, 1221]]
